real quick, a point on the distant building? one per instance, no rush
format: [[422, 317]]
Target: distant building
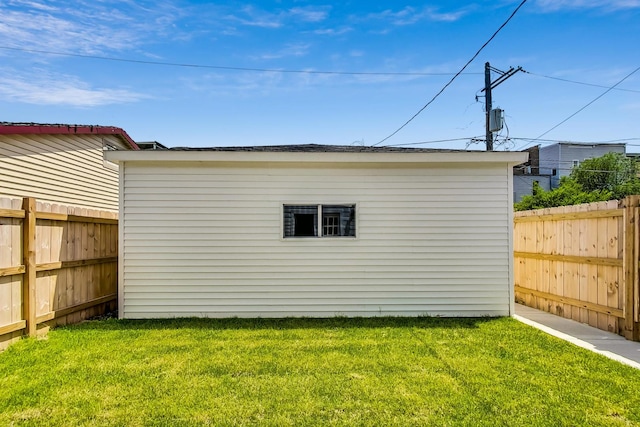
[[558, 160], [61, 163], [523, 185], [526, 174], [546, 165], [151, 145]]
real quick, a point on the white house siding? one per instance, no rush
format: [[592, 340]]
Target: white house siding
[[207, 241], [63, 168]]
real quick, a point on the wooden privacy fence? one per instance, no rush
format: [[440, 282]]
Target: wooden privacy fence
[[581, 262], [58, 265]]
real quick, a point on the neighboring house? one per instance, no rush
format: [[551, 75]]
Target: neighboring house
[[61, 163], [151, 145], [523, 185], [528, 173], [546, 165], [559, 159], [313, 230]]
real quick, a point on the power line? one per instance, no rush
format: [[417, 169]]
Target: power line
[[585, 106], [434, 141], [552, 141], [581, 83], [224, 67], [454, 77], [280, 70], [480, 139]]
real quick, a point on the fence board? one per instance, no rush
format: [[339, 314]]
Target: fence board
[[74, 278], [581, 262], [557, 278], [584, 244], [29, 260]]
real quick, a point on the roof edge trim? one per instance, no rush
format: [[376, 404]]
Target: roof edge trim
[[60, 129], [510, 157]]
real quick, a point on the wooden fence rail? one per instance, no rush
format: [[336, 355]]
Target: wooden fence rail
[[581, 262], [58, 265]]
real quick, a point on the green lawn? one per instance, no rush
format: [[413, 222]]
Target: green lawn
[[305, 372]]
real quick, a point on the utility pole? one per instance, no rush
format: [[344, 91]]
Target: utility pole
[[488, 86], [488, 104]]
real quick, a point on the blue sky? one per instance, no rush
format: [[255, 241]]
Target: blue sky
[[589, 41]]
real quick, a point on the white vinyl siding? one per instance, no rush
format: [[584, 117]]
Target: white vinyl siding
[[207, 241], [67, 169]]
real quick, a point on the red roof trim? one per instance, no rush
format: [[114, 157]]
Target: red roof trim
[[47, 129]]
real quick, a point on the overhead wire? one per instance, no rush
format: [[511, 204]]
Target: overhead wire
[[433, 142], [585, 106], [456, 75], [480, 138], [227, 68], [579, 83], [356, 73], [553, 141], [283, 70]]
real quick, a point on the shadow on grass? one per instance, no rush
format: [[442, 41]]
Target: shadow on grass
[[284, 323]]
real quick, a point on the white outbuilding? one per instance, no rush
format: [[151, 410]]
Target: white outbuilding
[[314, 230]]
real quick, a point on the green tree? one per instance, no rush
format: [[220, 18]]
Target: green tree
[[609, 177], [568, 193], [606, 172]]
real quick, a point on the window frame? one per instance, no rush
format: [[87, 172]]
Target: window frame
[[320, 221]]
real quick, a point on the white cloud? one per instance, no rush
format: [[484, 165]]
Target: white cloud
[[34, 5], [244, 85], [309, 14], [333, 31], [411, 15], [44, 88], [254, 17], [606, 5], [85, 26], [294, 49]]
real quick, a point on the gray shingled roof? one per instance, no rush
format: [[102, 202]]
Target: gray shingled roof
[[318, 148]]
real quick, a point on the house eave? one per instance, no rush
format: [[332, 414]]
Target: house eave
[[62, 129], [510, 158]]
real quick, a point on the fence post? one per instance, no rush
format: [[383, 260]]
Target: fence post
[[29, 261], [636, 283], [631, 254]]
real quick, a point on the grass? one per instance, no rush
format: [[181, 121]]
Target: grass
[[306, 372]]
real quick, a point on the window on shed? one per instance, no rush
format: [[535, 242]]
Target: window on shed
[[330, 224], [300, 220], [319, 221], [305, 224]]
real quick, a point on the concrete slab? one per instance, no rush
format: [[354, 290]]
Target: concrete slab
[[606, 343]]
